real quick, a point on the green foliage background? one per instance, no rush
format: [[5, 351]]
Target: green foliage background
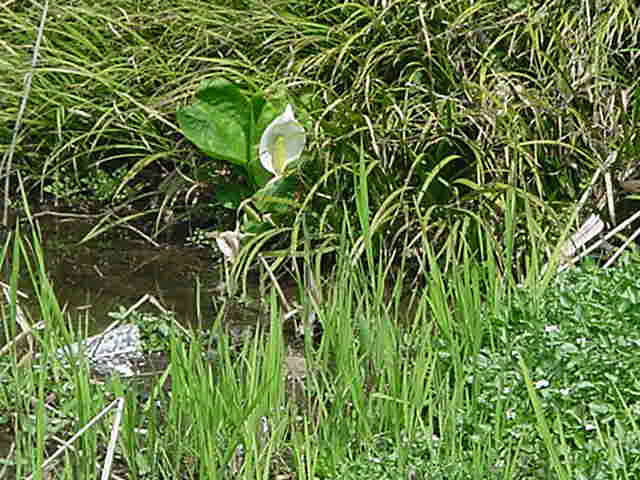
[[458, 110]]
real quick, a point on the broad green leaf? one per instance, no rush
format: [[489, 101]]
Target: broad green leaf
[[259, 104], [269, 111], [232, 195], [220, 122], [259, 176]]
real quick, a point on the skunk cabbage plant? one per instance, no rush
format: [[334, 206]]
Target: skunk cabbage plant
[[281, 143]]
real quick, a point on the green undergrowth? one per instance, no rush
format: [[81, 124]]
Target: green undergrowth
[[469, 378], [451, 107], [447, 148]]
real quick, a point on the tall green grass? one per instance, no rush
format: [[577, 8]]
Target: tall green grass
[[446, 383], [449, 145]]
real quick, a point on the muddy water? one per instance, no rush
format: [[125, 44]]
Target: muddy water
[[99, 276]]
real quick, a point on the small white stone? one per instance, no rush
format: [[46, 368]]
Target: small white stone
[[541, 384]]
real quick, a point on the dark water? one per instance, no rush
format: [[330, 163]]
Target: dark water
[[99, 276]]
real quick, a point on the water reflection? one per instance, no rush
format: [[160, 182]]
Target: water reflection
[[113, 270]]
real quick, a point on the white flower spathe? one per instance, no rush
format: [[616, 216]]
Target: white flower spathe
[[282, 142], [228, 243]]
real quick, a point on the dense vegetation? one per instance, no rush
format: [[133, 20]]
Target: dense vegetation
[[451, 149], [457, 111], [473, 378]]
